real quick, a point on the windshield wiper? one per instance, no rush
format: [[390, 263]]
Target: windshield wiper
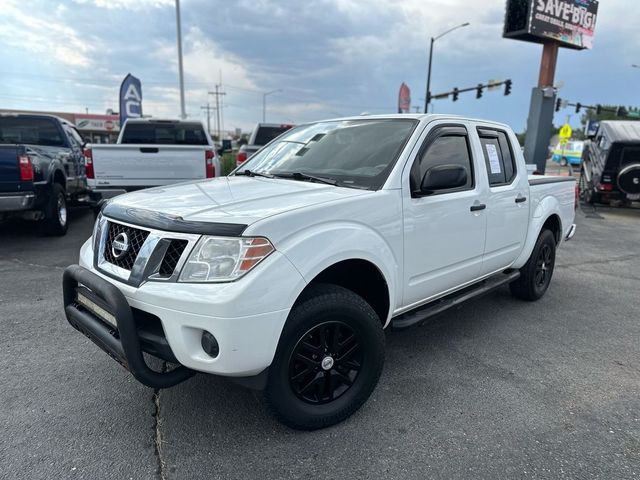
[[307, 177], [249, 173]]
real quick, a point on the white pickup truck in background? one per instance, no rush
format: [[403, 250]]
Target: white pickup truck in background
[[150, 153], [260, 136], [284, 274]]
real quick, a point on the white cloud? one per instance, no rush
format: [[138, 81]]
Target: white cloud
[[26, 30], [128, 4]]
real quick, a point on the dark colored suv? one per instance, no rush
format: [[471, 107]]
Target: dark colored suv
[[611, 164]]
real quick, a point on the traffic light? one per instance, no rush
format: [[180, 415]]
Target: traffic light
[[479, 90], [621, 112], [455, 94], [507, 87], [598, 109], [558, 104], [578, 107]]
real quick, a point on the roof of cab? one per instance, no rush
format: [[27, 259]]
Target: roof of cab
[[428, 117], [621, 130]]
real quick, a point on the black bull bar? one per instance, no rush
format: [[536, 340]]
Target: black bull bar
[[123, 346]]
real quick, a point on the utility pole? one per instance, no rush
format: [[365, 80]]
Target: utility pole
[[183, 113], [218, 93], [208, 109]]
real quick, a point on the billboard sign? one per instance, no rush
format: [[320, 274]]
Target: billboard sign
[[571, 23], [130, 98], [99, 123], [404, 99]]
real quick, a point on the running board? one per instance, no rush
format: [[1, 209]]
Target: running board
[[420, 314]]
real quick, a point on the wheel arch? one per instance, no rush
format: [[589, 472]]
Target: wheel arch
[[546, 216], [360, 276]]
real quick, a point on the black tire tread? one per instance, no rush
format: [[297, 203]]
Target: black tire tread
[[523, 288], [316, 296], [50, 224]]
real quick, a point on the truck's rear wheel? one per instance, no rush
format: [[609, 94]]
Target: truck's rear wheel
[[55, 212], [329, 359], [536, 274]]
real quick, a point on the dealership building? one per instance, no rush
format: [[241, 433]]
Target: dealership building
[[94, 128]]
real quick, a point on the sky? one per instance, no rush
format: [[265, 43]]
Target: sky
[[325, 58]]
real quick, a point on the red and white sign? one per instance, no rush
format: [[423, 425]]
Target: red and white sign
[[88, 121]]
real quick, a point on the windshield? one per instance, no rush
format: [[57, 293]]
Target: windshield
[[164, 133], [30, 131], [354, 153]]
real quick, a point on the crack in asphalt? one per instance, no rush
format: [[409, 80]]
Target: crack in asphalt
[[157, 433], [22, 262], [603, 261]]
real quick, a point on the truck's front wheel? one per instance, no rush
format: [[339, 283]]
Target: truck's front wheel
[[329, 359]]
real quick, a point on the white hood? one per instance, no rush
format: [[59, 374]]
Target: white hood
[[234, 199]]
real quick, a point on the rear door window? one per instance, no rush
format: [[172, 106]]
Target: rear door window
[[164, 134], [30, 131], [265, 134], [498, 156]]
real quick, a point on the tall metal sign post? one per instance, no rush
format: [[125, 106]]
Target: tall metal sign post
[[554, 24]]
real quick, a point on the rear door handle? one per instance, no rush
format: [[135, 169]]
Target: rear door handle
[[521, 199], [480, 206]]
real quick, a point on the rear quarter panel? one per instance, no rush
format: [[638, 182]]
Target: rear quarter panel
[[547, 199]]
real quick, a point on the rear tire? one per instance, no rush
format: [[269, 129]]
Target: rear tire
[[329, 359], [536, 274], [55, 213], [564, 162]]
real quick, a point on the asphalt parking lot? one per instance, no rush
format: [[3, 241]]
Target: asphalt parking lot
[[495, 389]]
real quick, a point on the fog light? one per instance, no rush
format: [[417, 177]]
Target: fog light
[[210, 344]]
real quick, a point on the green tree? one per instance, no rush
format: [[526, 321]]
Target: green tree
[[608, 113]]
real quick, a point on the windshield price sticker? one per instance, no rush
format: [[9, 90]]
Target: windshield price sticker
[[494, 161]]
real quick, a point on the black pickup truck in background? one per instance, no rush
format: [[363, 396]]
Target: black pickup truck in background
[[41, 169]]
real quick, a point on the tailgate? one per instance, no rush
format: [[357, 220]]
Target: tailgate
[[147, 165], [9, 174]]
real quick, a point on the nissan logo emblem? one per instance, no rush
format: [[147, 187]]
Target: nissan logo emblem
[[120, 245]]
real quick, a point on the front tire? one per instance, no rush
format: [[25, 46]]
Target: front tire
[[329, 359], [564, 162], [56, 213], [536, 274]]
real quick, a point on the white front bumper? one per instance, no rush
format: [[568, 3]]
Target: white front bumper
[[246, 316]]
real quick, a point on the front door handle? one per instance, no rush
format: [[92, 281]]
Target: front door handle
[[521, 199], [480, 206]]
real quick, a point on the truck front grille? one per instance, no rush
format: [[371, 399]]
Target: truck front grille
[[134, 238], [172, 256]]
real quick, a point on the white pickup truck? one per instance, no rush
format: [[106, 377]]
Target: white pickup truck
[[284, 274], [150, 153]]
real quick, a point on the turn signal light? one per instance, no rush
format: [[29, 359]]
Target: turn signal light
[[208, 159], [26, 168], [88, 163], [241, 158]]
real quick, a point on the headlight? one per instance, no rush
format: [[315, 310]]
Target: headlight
[[96, 232], [223, 259]]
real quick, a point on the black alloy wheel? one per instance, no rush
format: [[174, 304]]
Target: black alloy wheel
[[535, 275], [544, 265], [325, 363], [328, 361]]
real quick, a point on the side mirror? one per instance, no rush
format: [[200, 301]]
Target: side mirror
[[443, 177]]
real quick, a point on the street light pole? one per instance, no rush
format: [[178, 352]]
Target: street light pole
[[427, 99], [183, 113], [264, 103]]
